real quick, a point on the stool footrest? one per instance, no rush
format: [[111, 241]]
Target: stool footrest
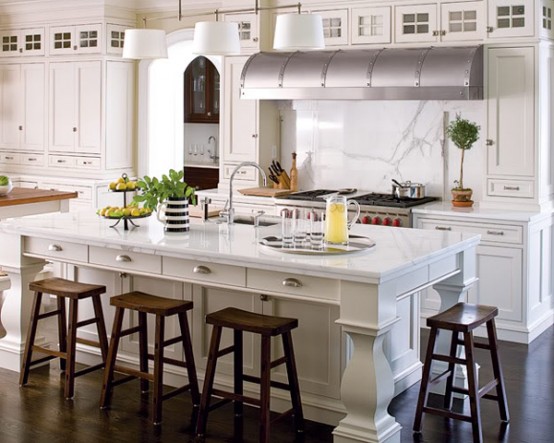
[[175, 392], [448, 359], [282, 415], [90, 321], [274, 384], [84, 341], [278, 362], [51, 352], [225, 351], [134, 372], [172, 341], [122, 380], [488, 387], [236, 397], [49, 314], [439, 377], [171, 361], [447, 413], [43, 359], [89, 369], [219, 403], [482, 346], [126, 332]]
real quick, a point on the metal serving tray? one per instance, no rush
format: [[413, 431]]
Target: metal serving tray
[[356, 243]]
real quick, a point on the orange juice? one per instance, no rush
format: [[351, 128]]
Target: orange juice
[[336, 223]]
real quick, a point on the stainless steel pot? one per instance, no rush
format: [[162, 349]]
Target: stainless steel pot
[[408, 189]]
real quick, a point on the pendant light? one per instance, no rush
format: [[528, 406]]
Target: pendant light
[[216, 38], [295, 32], [144, 44]]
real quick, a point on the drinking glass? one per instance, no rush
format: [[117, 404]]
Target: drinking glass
[[300, 227], [317, 228], [286, 227]]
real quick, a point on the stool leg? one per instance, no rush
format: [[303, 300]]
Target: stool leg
[[158, 370], [238, 372], [208, 381], [424, 388], [62, 330], [31, 333], [189, 358], [452, 369], [100, 326], [71, 345], [497, 371], [293, 382], [110, 360], [473, 387], [265, 388], [143, 350]]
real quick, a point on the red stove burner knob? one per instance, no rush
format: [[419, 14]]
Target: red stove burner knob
[[397, 222], [387, 221], [376, 221], [366, 220]]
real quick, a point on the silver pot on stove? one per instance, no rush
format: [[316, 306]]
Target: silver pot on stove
[[407, 189]]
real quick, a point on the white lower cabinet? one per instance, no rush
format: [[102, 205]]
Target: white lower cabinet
[[514, 268]]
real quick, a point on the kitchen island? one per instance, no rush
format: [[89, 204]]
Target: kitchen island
[[25, 201], [365, 289]]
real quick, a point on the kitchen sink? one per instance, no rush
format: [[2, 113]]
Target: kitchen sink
[[249, 220]]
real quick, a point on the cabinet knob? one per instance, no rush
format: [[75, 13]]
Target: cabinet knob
[[74, 129], [511, 188], [20, 50], [495, 232], [292, 283], [123, 258], [490, 29], [201, 270], [75, 47], [55, 248], [443, 228], [489, 142], [254, 135], [255, 39], [20, 127], [435, 33]]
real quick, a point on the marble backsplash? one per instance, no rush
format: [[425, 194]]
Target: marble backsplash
[[365, 144]]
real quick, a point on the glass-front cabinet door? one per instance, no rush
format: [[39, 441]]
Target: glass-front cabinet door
[[417, 23], [202, 91], [510, 18]]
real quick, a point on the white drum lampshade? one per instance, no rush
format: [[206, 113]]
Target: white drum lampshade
[[298, 32], [144, 44], [216, 38]]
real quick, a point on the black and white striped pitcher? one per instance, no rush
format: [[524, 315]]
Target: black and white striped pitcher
[[175, 214]]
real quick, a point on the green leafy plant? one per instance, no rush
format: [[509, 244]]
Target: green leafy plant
[[154, 191], [463, 134], [4, 180]]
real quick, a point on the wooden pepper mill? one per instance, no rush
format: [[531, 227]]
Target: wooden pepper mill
[[293, 174]]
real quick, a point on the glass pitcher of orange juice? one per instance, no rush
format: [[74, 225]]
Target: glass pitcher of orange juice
[[336, 219]]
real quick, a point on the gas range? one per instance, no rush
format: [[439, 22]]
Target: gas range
[[375, 208]]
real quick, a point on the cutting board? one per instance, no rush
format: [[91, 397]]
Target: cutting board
[[265, 192], [196, 211]]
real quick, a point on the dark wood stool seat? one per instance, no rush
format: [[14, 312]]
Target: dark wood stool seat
[[463, 318], [161, 307], [267, 326], [67, 330]]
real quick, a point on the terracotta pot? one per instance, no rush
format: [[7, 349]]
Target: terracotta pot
[[462, 197]]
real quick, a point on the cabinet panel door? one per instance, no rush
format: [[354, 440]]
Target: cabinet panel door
[[510, 124], [416, 23], [335, 26], [241, 121], [462, 21], [500, 281], [62, 107], [10, 106], [248, 25], [61, 40], [34, 115], [371, 25], [88, 77], [511, 18]]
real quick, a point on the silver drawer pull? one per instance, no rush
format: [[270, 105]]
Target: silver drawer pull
[[55, 248], [443, 228], [511, 188], [123, 258], [495, 232], [292, 282], [201, 270]]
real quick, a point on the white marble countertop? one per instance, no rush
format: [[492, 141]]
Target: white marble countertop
[[222, 195], [397, 250], [476, 212]]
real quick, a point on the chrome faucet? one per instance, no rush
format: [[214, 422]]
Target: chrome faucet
[[213, 156], [229, 212]]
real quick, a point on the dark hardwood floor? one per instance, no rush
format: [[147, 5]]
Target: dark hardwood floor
[[38, 413]]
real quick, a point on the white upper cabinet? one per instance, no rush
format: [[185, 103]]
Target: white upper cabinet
[[75, 107], [249, 33], [370, 25], [81, 39], [447, 22], [115, 38], [511, 18], [18, 42], [22, 106], [335, 26]]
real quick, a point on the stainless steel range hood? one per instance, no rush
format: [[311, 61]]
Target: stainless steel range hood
[[436, 73]]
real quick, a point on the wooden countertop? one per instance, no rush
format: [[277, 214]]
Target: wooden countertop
[[21, 196]]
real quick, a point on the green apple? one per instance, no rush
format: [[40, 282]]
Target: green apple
[[4, 180]]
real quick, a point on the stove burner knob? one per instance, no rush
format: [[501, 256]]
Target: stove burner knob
[[387, 221], [397, 222], [376, 221], [366, 220]]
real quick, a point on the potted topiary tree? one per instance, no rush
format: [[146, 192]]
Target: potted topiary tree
[[170, 197], [463, 134]]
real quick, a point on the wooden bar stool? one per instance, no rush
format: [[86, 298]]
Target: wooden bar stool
[[67, 333], [463, 318], [161, 307], [267, 326]]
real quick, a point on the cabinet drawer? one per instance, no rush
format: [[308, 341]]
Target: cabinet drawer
[[11, 159], [62, 161], [511, 188], [88, 162], [489, 232], [292, 284], [84, 192], [247, 173], [204, 272], [127, 260], [32, 160], [56, 250]]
